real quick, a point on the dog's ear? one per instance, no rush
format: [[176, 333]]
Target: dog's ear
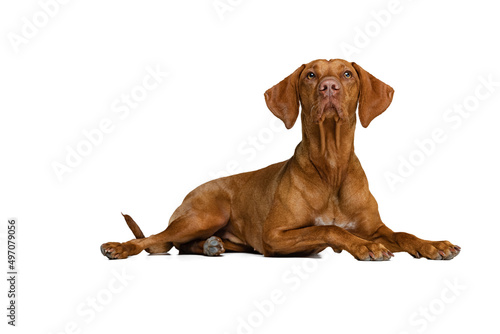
[[283, 99], [374, 96]]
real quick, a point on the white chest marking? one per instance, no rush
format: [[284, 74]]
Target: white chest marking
[[346, 225], [319, 221]]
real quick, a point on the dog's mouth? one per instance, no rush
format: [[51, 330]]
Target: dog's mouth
[[329, 108]]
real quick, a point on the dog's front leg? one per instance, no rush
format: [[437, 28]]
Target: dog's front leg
[[406, 242], [312, 239]]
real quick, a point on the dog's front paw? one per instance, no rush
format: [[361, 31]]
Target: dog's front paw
[[434, 250], [116, 250], [370, 251]]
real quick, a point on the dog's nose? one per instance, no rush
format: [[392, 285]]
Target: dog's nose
[[329, 87]]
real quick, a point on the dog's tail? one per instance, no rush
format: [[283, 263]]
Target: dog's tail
[[163, 248], [134, 227]]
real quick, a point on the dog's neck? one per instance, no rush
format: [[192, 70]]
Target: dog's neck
[[327, 147]]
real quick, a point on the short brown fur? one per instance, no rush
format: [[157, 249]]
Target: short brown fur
[[317, 199]]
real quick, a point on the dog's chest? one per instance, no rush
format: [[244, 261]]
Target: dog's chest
[[328, 221], [331, 214]]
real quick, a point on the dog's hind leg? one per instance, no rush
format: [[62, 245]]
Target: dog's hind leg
[[182, 230], [199, 217], [136, 230], [212, 246]]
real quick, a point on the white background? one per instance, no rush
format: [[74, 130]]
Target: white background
[[65, 79]]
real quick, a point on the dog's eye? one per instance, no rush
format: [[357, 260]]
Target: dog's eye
[[311, 75], [347, 74]]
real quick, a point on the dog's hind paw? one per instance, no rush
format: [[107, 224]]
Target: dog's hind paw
[[116, 250], [213, 246]]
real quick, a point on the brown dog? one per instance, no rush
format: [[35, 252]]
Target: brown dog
[[317, 199]]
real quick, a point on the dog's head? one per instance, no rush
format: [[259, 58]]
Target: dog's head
[[329, 89]]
